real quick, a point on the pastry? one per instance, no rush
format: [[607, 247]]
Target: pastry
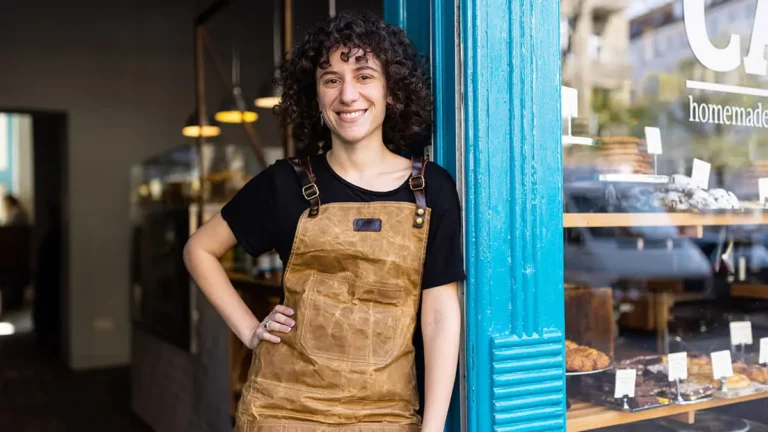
[[584, 359], [739, 367], [698, 368], [703, 380], [758, 374], [576, 363], [645, 402], [602, 361], [737, 381], [692, 391], [619, 140], [699, 360]]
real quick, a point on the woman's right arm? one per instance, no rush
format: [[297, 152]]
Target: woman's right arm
[[201, 256]]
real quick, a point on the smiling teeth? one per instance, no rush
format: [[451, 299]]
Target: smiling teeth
[[351, 115]]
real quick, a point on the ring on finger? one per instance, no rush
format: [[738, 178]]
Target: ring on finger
[[266, 324]]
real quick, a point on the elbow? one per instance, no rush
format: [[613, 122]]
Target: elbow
[[189, 252]]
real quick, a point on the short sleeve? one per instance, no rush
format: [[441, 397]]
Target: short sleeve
[[250, 213], [444, 261]]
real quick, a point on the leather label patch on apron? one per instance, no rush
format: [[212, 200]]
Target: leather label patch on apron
[[367, 225]]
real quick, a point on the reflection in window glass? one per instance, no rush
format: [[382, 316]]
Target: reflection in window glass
[[665, 180]]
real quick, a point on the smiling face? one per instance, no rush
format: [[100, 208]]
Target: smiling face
[[352, 95]]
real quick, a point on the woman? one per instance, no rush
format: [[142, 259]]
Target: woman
[[371, 239]]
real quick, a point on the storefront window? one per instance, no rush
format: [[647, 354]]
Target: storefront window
[[665, 172]]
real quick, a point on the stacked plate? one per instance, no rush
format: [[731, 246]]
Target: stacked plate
[[624, 155], [612, 155]]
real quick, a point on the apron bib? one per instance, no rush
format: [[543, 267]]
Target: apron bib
[[354, 283]]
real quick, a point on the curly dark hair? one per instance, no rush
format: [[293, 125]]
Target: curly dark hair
[[407, 123]]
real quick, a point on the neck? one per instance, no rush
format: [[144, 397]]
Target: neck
[[359, 156]]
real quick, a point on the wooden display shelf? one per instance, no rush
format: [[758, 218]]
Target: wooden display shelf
[[242, 281], [584, 416], [596, 220], [753, 291]]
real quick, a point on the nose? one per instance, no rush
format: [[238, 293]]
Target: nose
[[349, 93]]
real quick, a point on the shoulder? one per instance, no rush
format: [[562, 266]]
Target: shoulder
[[272, 180], [438, 175], [283, 174], [440, 186]]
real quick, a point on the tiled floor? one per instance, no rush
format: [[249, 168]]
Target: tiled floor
[[39, 393]]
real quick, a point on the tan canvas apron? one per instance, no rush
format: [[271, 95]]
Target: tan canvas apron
[[354, 282]]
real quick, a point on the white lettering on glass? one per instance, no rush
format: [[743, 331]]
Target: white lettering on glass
[[754, 62], [728, 58]]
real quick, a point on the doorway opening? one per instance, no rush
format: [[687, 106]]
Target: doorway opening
[[33, 252]]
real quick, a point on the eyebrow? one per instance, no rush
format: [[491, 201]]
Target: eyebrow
[[357, 69]]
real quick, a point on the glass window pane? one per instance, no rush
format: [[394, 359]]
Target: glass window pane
[[665, 174]]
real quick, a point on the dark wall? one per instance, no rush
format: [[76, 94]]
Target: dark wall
[[123, 73], [307, 13]]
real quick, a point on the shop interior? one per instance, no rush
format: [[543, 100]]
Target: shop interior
[[122, 126]]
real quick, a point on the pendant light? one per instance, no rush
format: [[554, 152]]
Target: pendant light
[[235, 111], [192, 129], [270, 94]]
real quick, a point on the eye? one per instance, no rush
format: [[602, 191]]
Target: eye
[[331, 81], [366, 77]]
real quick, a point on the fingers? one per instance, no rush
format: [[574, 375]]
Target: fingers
[[273, 324], [267, 336], [282, 323], [277, 321], [283, 310]]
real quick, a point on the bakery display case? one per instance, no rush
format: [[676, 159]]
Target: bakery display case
[[165, 197], [665, 227], [162, 190]]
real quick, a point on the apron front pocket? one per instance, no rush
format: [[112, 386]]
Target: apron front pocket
[[348, 319]]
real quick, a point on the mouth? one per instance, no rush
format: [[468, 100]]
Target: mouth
[[351, 116]]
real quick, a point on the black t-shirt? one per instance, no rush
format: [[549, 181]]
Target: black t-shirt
[[264, 214]]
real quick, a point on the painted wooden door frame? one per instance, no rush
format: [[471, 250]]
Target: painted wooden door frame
[[433, 27], [510, 173]]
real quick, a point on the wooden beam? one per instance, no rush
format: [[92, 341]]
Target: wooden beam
[[594, 220]]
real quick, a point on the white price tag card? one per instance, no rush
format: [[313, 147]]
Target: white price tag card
[[625, 383], [741, 333], [653, 140], [569, 101], [762, 188], [721, 364], [678, 366], [700, 173], [763, 351]]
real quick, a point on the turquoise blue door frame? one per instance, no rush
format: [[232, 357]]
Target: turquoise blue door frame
[[514, 213], [511, 169]]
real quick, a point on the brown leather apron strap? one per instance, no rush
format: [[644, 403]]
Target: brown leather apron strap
[[308, 187], [417, 184]]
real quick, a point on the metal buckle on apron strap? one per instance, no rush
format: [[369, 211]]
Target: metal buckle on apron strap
[[417, 184], [310, 191], [308, 187]]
